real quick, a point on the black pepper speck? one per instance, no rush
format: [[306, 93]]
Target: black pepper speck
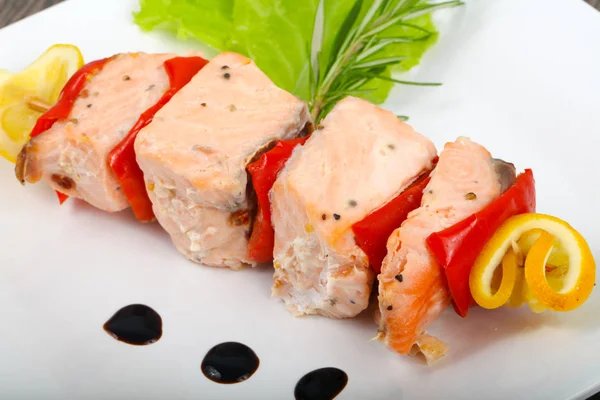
[[337, 217], [399, 278], [89, 106], [225, 67], [203, 104], [324, 217], [227, 75], [470, 196], [391, 146], [352, 203], [390, 308], [126, 77]]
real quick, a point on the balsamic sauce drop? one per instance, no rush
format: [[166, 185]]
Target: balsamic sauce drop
[[321, 384], [135, 324], [229, 362]]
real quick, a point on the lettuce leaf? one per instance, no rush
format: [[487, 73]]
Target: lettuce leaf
[[210, 21], [276, 34]]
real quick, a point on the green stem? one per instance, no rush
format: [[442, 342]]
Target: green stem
[[319, 101]]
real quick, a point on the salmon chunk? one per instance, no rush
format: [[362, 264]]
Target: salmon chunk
[[72, 155], [360, 158], [412, 288], [195, 152]]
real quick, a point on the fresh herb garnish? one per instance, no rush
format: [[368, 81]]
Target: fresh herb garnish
[[320, 50], [366, 48]]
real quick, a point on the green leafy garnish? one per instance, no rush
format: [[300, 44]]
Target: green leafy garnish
[[275, 35], [319, 50], [207, 20]]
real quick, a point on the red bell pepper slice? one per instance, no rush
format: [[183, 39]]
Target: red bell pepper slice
[[456, 248], [68, 95], [121, 159], [373, 231], [264, 173]]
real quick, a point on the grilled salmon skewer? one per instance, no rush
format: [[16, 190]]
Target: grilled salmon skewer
[[195, 151], [359, 159], [412, 289], [71, 156]]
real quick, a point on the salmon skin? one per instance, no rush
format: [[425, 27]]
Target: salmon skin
[[72, 155], [358, 159], [412, 289], [195, 151]]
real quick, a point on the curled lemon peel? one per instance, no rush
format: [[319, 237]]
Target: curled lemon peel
[[558, 271]]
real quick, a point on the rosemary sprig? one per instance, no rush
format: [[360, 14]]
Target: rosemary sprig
[[358, 51]]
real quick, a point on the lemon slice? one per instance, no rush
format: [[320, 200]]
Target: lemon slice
[[25, 95], [4, 75], [563, 286], [502, 284], [578, 281], [556, 268]]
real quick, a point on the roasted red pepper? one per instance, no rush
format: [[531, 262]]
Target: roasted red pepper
[[456, 248], [264, 173], [69, 94], [373, 231], [122, 158]]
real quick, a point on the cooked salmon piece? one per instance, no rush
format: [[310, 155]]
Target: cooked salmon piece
[[72, 155], [412, 288], [360, 158], [195, 152]]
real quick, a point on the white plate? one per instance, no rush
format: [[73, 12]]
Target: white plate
[[520, 76]]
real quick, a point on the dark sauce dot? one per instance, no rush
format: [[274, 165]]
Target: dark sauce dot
[[321, 384], [229, 362], [135, 324]]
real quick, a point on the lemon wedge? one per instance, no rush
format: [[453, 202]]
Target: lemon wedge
[[4, 75], [26, 95], [559, 269]]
